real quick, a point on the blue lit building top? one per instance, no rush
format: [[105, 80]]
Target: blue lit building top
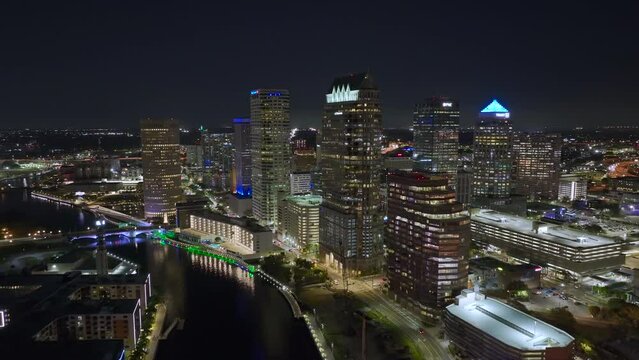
[[495, 107], [241, 120], [254, 92], [243, 192]]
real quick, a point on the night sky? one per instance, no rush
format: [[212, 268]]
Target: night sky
[[109, 63]]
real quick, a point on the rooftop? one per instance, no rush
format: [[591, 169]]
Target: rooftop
[[305, 200], [494, 107], [507, 324], [248, 223], [551, 232], [354, 82]]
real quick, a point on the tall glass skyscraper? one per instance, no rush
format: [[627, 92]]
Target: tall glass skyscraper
[[351, 221], [242, 165], [427, 238], [161, 166], [270, 151], [492, 154], [436, 136]]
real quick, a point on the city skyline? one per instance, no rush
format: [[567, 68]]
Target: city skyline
[[193, 62]]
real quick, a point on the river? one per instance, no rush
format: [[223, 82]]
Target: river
[[228, 313]]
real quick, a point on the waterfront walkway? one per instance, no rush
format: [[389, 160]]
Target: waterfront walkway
[[288, 295], [156, 332]]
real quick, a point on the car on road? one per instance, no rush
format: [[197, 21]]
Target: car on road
[[421, 331]]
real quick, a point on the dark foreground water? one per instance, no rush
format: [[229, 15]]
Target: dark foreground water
[[228, 313]]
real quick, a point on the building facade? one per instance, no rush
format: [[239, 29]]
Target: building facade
[[492, 155], [427, 238], [463, 191], [162, 170], [240, 234], [242, 165], [300, 183], [572, 187], [537, 165], [436, 136], [351, 220], [218, 152], [561, 251], [298, 222], [270, 151]]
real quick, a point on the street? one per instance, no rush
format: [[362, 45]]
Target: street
[[369, 291]]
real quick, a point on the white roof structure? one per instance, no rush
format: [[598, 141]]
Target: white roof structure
[[551, 232], [507, 324]]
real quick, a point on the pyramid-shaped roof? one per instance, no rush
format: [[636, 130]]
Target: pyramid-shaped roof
[[495, 107]]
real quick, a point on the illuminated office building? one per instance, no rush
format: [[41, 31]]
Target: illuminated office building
[[351, 221], [436, 136], [242, 166], [270, 151], [492, 155], [537, 165], [427, 238], [298, 222], [218, 158], [161, 165]]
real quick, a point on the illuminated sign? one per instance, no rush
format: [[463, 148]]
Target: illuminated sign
[[503, 115], [447, 104], [494, 107], [342, 93], [254, 92]]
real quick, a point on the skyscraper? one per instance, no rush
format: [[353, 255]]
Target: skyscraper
[[436, 136], [161, 165], [428, 238], [270, 151], [242, 166], [351, 221], [537, 164], [492, 155], [218, 152]]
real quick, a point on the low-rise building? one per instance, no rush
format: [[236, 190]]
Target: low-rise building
[[484, 328], [114, 287], [572, 187], [561, 251], [95, 320], [243, 234]]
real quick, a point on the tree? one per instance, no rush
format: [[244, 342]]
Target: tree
[[594, 311], [517, 289], [563, 319]]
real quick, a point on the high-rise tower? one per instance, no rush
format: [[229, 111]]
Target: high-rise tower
[[351, 221], [270, 151], [537, 165], [436, 136], [492, 154], [242, 165], [428, 238], [161, 166]]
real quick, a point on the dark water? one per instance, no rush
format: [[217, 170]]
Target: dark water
[[22, 214], [229, 314]]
